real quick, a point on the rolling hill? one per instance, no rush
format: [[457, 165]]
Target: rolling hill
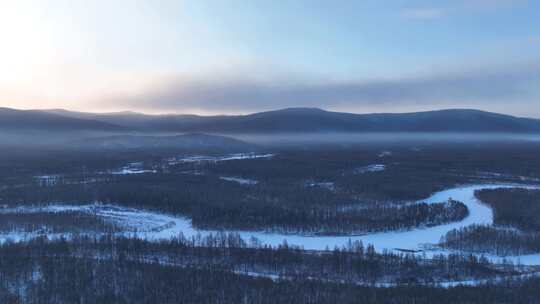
[[310, 120], [17, 120]]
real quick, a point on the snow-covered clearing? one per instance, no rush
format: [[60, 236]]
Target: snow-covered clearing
[[139, 167]]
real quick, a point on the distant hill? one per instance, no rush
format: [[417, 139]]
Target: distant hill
[[11, 119], [127, 119], [317, 120], [188, 142]]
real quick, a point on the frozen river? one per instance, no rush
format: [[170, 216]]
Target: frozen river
[[154, 226]]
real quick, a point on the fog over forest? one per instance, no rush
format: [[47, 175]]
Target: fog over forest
[[254, 151]]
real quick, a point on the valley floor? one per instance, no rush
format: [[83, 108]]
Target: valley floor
[[151, 225]]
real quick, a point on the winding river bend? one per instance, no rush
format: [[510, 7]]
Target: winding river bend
[[154, 226]]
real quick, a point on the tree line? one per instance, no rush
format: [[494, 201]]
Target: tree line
[[224, 268], [517, 207], [353, 263], [212, 203], [494, 240]]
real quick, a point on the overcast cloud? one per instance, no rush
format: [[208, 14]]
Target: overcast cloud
[[241, 56], [487, 88]]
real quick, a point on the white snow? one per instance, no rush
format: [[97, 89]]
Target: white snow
[[48, 180], [154, 225], [127, 171], [385, 153], [138, 167], [239, 180], [498, 279], [327, 185], [370, 168], [133, 168], [204, 158]]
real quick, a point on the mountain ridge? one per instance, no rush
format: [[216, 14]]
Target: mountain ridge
[[11, 119], [310, 120]]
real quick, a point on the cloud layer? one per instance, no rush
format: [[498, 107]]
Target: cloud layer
[[493, 87]]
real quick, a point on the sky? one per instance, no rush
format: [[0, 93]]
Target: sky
[[243, 56]]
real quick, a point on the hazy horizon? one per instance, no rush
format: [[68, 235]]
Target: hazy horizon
[[150, 113], [237, 57]]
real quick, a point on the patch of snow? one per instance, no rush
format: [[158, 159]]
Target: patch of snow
[[193, 172], [130, 219], [133, 168], [326, 185], [370, 168], [204, 158], [48, 180], [498, 279], [127, 171], [385, 153], [239, 180]]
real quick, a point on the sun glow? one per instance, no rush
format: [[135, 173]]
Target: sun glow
[[26, 49], [68, 54]]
